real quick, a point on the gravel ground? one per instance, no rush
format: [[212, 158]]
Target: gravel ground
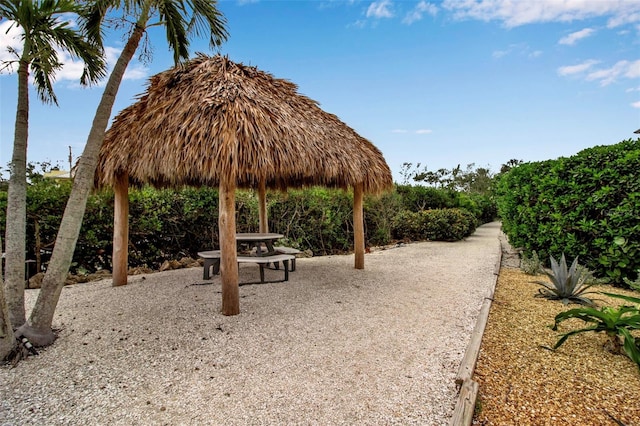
[[334, 345], [521, 383]]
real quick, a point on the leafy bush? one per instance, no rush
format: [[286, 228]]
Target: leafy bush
[[379, 212], [407, 226], [434, 225], [468, 203], [46, 200], [587, 205], [319, 219], [418, 198], [531, 265], [486, 208], [95, 243]]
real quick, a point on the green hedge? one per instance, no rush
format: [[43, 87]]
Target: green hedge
[[418, 198], [318, 219], [587, 205], [170, 224], [435, 225]]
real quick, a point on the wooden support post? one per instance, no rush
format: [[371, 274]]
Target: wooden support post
[[262, 202], [228, 249], [120, 230], [358, 225]]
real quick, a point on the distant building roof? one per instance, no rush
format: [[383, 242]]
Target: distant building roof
[[58, 174]]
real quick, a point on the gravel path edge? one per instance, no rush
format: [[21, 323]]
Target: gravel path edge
[[467, 387]]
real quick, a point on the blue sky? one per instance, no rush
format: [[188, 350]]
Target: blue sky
[[439, 83]]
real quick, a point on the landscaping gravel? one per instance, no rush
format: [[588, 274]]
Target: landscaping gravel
[[333, 345], [524, 383]]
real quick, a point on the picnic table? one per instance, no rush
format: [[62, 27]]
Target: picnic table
[[257, 240], [264, 254]]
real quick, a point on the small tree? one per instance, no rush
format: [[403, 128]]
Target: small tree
[[43, 28], [179, 18]]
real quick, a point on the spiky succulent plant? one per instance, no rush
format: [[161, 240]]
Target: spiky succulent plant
[[567, 284]]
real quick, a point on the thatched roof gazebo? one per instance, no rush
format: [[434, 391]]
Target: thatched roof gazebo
[[213, 122]]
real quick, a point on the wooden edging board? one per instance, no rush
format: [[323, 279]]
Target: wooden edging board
[[467, 387]]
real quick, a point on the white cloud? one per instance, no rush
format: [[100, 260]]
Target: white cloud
[[399, 131], [577, 69], [420, 9], [572, 38], [521, 12], [380, 9], [636, 104], [521, 49], [360, 23], [610, 75], [71, 71], [605, 76], [633, 89], [500, 53], [622, 19], [10, 38], [634, 70]]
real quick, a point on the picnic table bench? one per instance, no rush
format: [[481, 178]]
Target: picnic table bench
[[281, 250], [212, 260]]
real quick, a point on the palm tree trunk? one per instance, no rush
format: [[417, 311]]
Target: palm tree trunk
[[7, 338], [16, 225], [38, 330], [36, 230]]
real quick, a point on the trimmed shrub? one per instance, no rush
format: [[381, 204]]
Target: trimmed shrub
[[434, 225], [587, 205], [418, 198], [379, 213], [317, 218], [487, 210]]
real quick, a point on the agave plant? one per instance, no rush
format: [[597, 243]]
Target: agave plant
[[567, 284]]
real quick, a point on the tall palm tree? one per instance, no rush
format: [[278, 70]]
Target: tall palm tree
[[180, 18], [44, 28], [7, 338]]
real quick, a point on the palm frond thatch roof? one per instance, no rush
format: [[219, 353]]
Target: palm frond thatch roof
[[212, 117]]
